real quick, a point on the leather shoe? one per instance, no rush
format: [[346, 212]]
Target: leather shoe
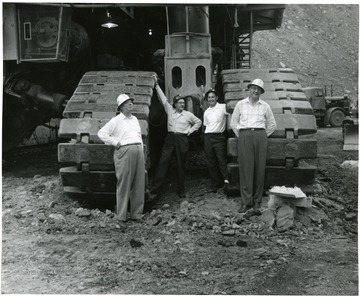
[[257, 206], [244, 208], [182, 195], [151, 197], [137, 220], [121, 225]]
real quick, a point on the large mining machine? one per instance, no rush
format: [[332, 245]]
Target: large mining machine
[[74, 59]]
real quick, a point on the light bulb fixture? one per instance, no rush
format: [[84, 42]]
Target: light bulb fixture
[[150, 32], [109, 22]]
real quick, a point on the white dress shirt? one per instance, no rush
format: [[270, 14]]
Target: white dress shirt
[[246, 116], [215, 118], [122, 129]]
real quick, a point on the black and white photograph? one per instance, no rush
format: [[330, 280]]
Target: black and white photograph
[[197, 148]]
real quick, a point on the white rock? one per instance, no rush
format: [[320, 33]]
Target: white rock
[[285, 218], [350, 163], [57, 217]]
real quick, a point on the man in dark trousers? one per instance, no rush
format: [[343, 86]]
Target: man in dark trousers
[[124, 133], [215, 117], [180, 124], [252, 122]]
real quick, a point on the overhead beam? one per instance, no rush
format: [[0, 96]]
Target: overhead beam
[[261, 7]]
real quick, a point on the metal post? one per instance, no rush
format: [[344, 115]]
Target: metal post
[[187, 29], [251, 33]]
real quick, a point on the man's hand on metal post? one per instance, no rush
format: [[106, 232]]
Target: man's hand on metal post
[[156, 79]]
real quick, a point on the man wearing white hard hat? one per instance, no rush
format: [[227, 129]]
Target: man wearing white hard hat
[[252, 122], [123, 132]]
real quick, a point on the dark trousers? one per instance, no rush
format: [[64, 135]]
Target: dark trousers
[[174, 145], [252, 150], [215, 153]]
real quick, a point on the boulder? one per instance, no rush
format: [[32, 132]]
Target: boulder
[[268, 217], [284, 218]]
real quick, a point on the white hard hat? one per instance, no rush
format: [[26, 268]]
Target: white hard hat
[[259, 83], [122, 98]]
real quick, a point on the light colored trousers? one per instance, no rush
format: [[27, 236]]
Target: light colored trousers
[[252, 151], [130, 173]]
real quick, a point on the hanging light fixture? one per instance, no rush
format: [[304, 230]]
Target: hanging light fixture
[[109, 22]]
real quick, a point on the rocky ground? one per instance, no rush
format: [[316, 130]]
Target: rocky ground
[[52, 244]]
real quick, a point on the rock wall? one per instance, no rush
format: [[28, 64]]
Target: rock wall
[[320, 42]]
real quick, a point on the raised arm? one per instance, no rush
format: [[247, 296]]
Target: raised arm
[[164, 101]]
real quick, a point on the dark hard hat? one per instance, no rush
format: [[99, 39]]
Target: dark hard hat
[[208, 92], [177, 98]]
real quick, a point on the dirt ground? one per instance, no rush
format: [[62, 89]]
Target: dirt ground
[[52, 244]]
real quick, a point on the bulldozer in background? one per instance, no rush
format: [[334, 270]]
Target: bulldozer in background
[[72, 60], [328, 110], [336, 111]]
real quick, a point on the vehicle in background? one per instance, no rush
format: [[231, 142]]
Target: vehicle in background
[[350, 130], [328, 110]]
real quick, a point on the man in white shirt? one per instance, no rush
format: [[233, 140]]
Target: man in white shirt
[[180, 124], [124, 133], [252, 122], [215, 117]]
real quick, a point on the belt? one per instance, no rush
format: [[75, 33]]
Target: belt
[[252, 129], [177, 133], [215, 133], [135, 143]]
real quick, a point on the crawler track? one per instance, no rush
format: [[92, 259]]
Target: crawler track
[[294, 117], [92, 105]]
